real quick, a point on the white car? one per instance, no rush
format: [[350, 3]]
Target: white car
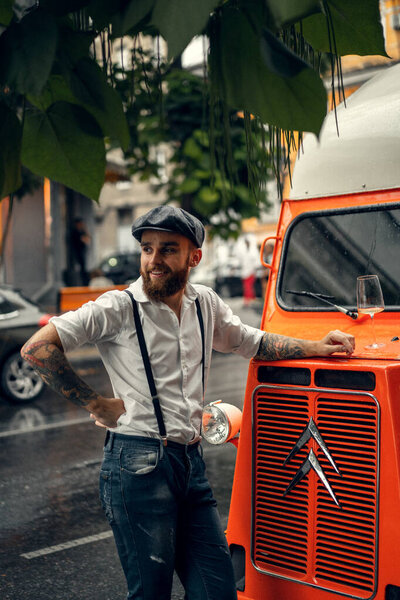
[[19, 319]]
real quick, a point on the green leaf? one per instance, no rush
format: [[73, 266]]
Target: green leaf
[[73, 45], [286, 12], [188, 186], [66, 145], [27, 51], [208, 195], [55, 90], [126, 18], [250, 81], [192, 150], [357, 28], [63, 7], [10, 150], [102, 11], [180, 20], [89, 85], [108, 112], [278, 58], [6, 11], [201, 174]]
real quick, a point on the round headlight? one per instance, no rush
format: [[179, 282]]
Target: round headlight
[[221, 422]]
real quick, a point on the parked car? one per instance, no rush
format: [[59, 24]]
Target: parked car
[[121, 267], [19, 319]]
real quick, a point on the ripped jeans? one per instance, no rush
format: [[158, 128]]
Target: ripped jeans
[[164, 518]]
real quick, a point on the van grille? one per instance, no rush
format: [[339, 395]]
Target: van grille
[[304, 535]]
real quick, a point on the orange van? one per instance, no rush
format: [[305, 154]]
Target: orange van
[[315, 508]]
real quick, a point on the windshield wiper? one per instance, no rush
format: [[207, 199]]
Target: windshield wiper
[[327, 300]]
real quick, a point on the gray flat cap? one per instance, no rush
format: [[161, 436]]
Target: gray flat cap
[[169, 218]]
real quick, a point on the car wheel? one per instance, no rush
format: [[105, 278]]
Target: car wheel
[[19, 382]]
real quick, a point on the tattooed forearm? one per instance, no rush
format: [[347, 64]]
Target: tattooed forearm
[[50, 362], [278, 347]]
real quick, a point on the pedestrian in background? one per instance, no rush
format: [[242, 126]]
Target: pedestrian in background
[[250, 261], [156, 340], [80, 242]]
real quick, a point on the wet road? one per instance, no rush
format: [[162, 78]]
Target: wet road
[[54, 540]]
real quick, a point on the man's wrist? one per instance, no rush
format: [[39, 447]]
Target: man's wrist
[[311, 348], [95, 403]]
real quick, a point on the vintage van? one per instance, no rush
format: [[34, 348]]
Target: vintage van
[[315, 508]]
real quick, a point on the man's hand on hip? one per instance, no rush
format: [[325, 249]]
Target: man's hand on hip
[[106, 411]]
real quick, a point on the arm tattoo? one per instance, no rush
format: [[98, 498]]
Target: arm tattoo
[[52, 366], [278, 347]]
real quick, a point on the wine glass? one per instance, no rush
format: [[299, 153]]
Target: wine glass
[[370, 301]]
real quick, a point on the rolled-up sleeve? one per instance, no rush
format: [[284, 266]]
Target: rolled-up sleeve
[[96, 321], [231, 335]]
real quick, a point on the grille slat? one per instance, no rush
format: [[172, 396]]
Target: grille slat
[[304, 534]]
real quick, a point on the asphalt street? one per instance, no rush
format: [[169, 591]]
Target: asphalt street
[[54, 540]]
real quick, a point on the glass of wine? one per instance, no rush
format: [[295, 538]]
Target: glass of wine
[[370, 301]]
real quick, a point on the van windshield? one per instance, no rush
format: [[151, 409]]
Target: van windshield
[[325, 252]]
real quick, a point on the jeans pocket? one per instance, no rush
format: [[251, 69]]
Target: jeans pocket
[[105, 493], [140, 461]]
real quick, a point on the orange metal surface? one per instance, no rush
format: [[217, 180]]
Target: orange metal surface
[[311, 325], [312, 546], [300, 545], [73, 297]]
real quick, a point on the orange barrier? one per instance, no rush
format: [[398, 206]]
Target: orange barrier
[[71, 298]]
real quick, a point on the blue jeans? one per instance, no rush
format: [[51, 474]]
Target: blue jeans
[[164, 517]]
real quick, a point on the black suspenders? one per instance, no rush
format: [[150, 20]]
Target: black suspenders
[[147, 365]]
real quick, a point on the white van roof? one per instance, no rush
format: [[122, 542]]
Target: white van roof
[[366, 154]]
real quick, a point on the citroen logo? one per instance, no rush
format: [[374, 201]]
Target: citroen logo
[[311, 462]]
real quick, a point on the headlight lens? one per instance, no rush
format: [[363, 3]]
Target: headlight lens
[[215, 425], [221, 422]]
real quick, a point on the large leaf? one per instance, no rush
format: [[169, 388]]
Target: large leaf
[[10, 150], [27, 51], [278, 58], [180, 20], [6, 11], [285, 12], [72, 46], [63, 7], [126, 18], [356, 24], [66, 145], [89, 85], [254, 75], [102, 11]]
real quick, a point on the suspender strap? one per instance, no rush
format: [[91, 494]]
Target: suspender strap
[[149, 373], [147, 365], [201, 323]]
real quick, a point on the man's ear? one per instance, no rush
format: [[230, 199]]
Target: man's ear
[[195, 257]]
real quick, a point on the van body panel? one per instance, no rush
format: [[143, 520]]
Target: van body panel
[[315, 505]]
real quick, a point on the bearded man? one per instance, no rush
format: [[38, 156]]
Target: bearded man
[[156, 340]]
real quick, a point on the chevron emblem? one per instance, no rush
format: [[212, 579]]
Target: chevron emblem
[[311, 462]]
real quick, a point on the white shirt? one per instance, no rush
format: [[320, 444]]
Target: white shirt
[[175, 352]]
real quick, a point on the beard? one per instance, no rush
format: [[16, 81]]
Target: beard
[[173, 283]]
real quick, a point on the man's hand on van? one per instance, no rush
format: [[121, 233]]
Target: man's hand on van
[[335, 341]]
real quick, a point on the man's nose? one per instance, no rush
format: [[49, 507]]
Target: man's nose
[[156, 258]]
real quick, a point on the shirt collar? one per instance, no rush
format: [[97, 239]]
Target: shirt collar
[[138, 293]]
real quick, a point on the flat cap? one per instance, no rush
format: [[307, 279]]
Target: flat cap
[[169, 218]]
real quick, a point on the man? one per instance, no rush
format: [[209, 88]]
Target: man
[[80, 242], [153, 487]]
